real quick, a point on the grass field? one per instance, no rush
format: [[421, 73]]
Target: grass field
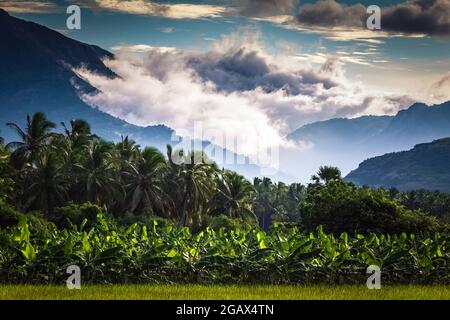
[[193, 292]]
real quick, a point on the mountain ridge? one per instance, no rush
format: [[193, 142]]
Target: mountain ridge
[[345, 143], [417, 117], [36, 74], [426, 166]]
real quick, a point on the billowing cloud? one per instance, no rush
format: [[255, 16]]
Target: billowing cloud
[[243, 69], [329, 13], [428, 17], [236, 88], [185, 104], [152, 8]]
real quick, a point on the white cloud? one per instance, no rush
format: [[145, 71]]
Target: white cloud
[[29, 6], [152, 8], [235, 88], [142, 48], [167, 29]]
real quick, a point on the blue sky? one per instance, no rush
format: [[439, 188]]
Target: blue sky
[[249, 67], [396, 60], [256, 70]]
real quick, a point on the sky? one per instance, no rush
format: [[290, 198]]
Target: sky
[[257, 69]]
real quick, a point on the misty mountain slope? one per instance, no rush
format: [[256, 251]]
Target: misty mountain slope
[[426, 166], [331, 133], [419, 123], [347, 142], [36, 75]]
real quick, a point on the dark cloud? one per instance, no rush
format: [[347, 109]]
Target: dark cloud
[[431, 17], [266, 8], [329, 13], [243, 69]]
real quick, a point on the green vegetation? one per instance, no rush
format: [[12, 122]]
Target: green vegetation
[[51, 174], [423, 167], [130, 215], [228, 292], [433, 202], [166, 254], [341, 207]]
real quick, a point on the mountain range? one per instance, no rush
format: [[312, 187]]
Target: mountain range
[[36, 74], [426, 166], [347, 142], [416, 124]]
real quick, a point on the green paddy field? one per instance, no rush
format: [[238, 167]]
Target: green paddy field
[[202, 292]]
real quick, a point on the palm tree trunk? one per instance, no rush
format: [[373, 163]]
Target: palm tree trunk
[[183, 220]]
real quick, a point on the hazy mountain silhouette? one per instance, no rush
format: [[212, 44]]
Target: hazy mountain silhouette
[[36, 75], [332, 133], [347, 142], [426, 166], [419, 123]]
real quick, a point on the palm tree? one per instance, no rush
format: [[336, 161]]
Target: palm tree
[[34, 140], [295, 196], [327, 174], [127, 153], [72, 146], [266, 201], [46, 187], [145, 182], [190, 177], [6, 175], [79, 133], [128, 150], [98, 174], [233, 196]]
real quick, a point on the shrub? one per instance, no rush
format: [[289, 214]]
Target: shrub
[[417, 221], [342, 207], [223, 221], [10, 217], [74, 214], [108, 253], [129, 219]]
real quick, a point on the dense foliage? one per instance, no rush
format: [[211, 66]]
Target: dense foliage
[[107, 253], [341, 207], [127, 214], [426, 166], [55, 174], [433, 202]]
